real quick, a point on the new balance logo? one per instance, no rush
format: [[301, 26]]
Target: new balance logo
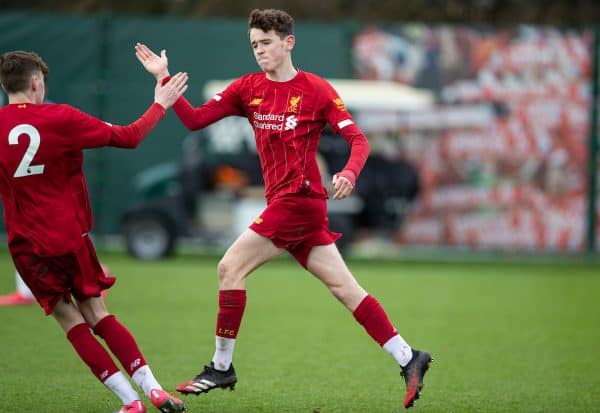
[[135, 364], [291, 122]]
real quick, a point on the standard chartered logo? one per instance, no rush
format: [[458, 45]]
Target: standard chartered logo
[[274, 122], [291, 122]]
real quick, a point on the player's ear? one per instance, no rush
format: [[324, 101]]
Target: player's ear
[[33, 82], [290, 42]]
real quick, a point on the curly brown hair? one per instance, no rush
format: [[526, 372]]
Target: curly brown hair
[[16, 68], [271, 19]]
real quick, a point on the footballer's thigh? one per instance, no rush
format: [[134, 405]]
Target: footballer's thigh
[[326, 263], [248, 252]]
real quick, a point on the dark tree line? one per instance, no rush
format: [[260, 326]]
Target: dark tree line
[[494, 12]]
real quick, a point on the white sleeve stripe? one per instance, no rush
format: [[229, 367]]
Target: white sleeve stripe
[[345, 123], [217, 97], [108, 123]]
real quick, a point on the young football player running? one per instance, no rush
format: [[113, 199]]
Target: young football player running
[[287, 108], [48, 218]]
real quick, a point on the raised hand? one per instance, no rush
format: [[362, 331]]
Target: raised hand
[[155, 65], [168, 94]]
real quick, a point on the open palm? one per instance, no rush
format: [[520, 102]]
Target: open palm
[[154, 64]]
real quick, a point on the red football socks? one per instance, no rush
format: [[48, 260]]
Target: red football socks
[[231, 310], [373, 318], [91, 352], [121, 343]]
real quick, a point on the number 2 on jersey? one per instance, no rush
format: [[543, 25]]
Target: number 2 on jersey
[[25, 168]]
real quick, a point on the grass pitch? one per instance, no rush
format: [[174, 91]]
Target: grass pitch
[[504, 337]]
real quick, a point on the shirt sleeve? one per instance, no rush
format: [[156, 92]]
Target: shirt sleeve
[[90, 132], [342, 123], [223, 104], [85, 131], [131, 135]]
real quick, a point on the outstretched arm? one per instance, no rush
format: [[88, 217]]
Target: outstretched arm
[[193, 118]]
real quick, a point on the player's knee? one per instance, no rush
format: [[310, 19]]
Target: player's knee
[[94, 318], [93, 310], [224, 271], [230, 275]]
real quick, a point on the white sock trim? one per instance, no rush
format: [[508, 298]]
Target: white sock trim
[[122, 388], [223, 353], [145, 380], [399, 349]]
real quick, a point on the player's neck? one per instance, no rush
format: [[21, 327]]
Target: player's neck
[[283, 74], [20, 97]]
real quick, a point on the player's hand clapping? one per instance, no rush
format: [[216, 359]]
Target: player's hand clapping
[[155, 65], [166, 95]]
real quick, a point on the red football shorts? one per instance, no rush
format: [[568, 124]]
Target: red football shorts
[[296, 224], [52, 278]]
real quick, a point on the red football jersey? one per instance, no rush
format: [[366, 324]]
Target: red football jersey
[[287, 118], [43, 189], [44, 192]]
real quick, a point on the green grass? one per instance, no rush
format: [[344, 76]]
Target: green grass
[[505, 338]]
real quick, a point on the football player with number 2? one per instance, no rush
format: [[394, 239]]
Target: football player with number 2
[[48, 218]]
